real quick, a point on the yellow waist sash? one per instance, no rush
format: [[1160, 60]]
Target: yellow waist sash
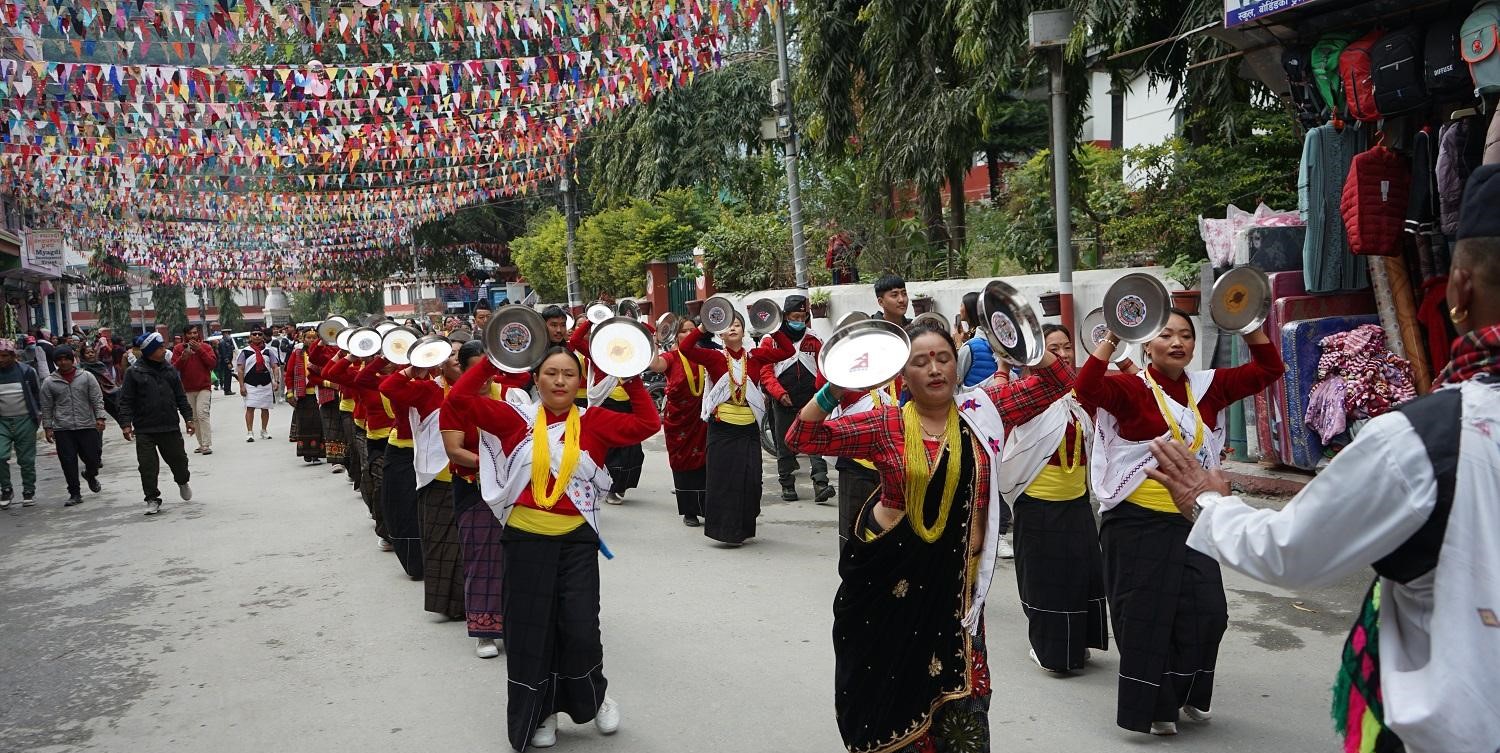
[[739, 415], [1056, 484], [346, 404], [541, 522], [1153, 496], [396, 441]]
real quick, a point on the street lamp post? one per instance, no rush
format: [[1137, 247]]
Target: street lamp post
[[1049, 32], [781, 97]]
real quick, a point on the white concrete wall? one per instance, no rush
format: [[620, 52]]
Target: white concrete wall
[[1150, 116], [1096, 124]]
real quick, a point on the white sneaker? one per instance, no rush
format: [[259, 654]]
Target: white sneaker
[[1037, 661], [1002, 548], [249, 437], [185, 491], [153, 507], [485, 648], [1164, 728], [614, 499], [264, 435], [608, 718], [545, 736], [1196, 714]]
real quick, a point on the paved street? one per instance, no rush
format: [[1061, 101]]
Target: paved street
[[261, 617]]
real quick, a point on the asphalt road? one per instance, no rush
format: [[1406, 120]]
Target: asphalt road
[[261, 617]]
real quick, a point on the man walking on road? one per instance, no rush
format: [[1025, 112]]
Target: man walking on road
[[224, 352], [150, 400], [195, 361], [790, 384], [258, 367], [19, 407], [73, 418]]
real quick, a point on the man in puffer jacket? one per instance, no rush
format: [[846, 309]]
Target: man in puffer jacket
[[982, 363], [73, 418], [150, 399]]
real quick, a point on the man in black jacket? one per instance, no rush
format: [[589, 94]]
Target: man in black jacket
[[150, 399], [225, 352]]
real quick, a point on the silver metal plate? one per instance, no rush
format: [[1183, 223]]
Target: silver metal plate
[[515, 338], [1095, 329], [395, 344], [1136, 307], [342, 339], [598, 311], [864, 355], [429, 351], [385, 327], [1010, 324], [364, 342], [717, 314], [1241, 300], [934, 319], [460, 336], [329, 329], [621, 347], [765, 317], [850, 318]]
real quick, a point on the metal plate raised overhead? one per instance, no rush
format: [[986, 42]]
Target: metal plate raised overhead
[[429, 351], [1136, 307], [1095, 329], [934, 319], [396, 342], [621, 347], [329, 329], [1241, 300], [364, 342], [342, 339], [1010, 324], [765, 317], [850, 318], [864, 355], [717, 314], [515, 338]]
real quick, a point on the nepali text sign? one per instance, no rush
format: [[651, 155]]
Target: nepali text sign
[[1237, 12], [43, 251]]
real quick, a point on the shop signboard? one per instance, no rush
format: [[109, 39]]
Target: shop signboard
[[42, 252], [1238, 12]]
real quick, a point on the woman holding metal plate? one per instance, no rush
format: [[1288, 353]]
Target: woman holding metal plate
[[1166, 600], [1059, 570], [541, 472], [733, 406], [908, 630], [682, 422]]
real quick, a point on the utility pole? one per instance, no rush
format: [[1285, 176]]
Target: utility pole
[[1049, 32], [202, 311], [781, 98], [570, 210]]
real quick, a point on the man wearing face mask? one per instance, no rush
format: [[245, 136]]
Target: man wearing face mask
[[790, 384]]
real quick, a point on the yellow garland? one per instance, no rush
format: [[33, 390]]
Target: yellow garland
[[1166, 413], [1077, 450], [541, 458], [919, 471], [688, 370], [736, 388]]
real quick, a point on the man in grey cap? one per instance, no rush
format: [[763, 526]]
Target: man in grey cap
[[1412, 498], [789, 384], [20, 405]]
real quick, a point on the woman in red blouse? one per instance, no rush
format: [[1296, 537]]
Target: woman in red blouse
[[550, 481], [909, 649], [686, 433], [304, 369], [732, 406], [1166, 601]]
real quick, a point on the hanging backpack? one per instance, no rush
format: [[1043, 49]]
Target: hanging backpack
[[1398, 76], [1445, 74], [1325, 68], [1357, 74], [1297, 62], [1480, 39]]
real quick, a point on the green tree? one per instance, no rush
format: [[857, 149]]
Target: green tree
[[170, 302], [540, 255], [310, 305], [230, 316]]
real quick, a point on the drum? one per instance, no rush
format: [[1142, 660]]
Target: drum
[[621, 347], [515, 339], [1010, 324], [864, 355], [364, 342], [429, 351], [1136, 307], [1241, 300]]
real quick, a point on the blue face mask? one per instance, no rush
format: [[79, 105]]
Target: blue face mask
[[796, 326]]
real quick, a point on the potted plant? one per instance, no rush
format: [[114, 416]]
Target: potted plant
[[818, 302], [1051, 302], [1186, 271], [922, 304]]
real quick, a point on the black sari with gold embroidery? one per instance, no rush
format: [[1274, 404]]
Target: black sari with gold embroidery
[[905, 668]]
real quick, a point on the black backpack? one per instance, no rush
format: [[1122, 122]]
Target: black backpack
[[1297, 62], [1398, 72], [1445, 74]]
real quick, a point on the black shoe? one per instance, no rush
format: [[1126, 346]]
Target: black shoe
[[93, 482], [691, 521], [73, 500], [28, 499], [789, 494], [824, 493], [6, 495]]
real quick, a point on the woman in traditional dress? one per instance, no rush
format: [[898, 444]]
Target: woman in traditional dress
[[396, 493], [908, 639], [733, 407], [304, 374], [1166, 601], [686, 433], [1059, 570], [478, 529], [546, 489], [420, 392]]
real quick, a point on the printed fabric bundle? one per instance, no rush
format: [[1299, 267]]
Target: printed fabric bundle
[[1358, 378]]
